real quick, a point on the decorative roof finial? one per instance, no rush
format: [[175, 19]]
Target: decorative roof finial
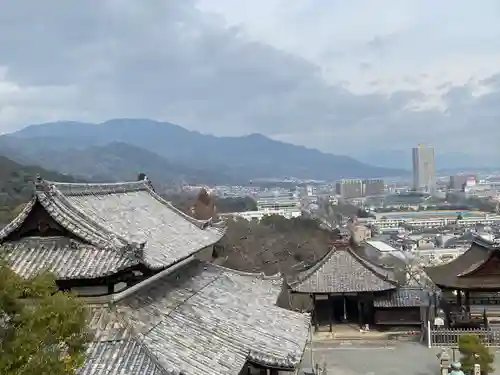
[[38, 182]]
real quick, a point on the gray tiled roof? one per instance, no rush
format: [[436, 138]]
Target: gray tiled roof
[[66, 258], [125, 357], [343, 271], [205, 320], [403, 297], [129, 218]]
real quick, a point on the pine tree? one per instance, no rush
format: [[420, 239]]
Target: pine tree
[[42, 331], [474, 351]]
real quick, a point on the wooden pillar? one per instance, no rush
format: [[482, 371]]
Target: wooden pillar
[[315, 318], [345, 308], [274, 372], [467, 301], [330, 312], [360, 313], [459, 298]]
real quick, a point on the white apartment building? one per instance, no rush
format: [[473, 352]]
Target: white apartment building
[[271, 204], [432, 223], [259, 215], [286, 205]]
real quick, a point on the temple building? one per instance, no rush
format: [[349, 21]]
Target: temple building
[[157, 305], [470, 283], [344, 287]]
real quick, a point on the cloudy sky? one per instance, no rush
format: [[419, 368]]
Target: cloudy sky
[[332, 74]]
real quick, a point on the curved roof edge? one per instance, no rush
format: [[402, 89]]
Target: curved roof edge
[[18, 220], [481, 241]]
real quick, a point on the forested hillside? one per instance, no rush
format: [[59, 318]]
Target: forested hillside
[[274, 245], [16, 185]]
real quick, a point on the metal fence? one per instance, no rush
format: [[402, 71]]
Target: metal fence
[[447, 337]]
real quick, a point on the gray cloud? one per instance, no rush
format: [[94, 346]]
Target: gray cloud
[[168, 60]]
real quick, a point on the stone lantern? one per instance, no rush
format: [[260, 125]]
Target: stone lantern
[[444, 361]]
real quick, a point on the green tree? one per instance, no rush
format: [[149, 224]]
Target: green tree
[[474, 351], [42, 331]]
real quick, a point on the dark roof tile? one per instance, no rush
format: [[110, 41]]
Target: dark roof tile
[[200, 320], [403, 297]]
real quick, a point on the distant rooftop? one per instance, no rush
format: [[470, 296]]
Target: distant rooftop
[[381, 246]]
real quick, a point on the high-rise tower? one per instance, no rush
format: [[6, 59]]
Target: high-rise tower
[[424, 169]]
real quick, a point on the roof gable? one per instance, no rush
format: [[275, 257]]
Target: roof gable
[[343, 271]]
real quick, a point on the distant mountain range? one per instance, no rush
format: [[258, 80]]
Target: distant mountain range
[[119, 149]]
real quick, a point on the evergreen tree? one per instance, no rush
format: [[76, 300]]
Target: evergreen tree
[[474, 351], [42, 331]]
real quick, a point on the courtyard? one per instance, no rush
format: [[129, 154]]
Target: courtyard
[[377, 358]]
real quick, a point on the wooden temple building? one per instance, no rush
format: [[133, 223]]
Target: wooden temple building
[[344, 287], [470, 284], [157, 306]]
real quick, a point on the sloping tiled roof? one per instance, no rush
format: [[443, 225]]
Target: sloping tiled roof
[[128, 218], [458, 273], [403, 297], [200, 320], [343, 271], [124, 357], [67, 258]]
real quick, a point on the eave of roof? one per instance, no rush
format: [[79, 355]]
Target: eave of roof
[[66, 258], [458, 273]]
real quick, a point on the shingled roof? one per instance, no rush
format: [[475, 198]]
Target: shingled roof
[[199, 320], [464, 272], [403, 297], [119, 225], [343, 271]]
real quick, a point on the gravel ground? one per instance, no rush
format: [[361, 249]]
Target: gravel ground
[[382, 358]]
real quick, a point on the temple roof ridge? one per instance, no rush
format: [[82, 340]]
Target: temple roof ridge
[[92, 188]]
